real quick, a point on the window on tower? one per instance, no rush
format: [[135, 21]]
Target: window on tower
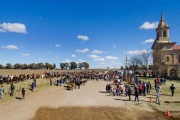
[[167, 59], [164, 34]]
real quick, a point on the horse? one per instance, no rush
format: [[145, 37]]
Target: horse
[[42, 76]]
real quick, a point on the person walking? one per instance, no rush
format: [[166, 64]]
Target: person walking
[[12, 88], [158, 92], [172, 88], [1, 92], [23, 93]]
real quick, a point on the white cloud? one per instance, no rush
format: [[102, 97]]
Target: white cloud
[[25, 54], [148, 25], [12, 47], [57, 45], [93, 56], [73, 55], [13, 27], [96, 52], [99, 59], [67, 61], [136, 52], [114, 46], [113, 61], [49, 52], [81, 60], [40, 59], [111, 58], [82, 37], [148, 41], [102, 63], [82, 51]]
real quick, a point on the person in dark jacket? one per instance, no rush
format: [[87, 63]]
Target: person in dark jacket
[[136, 95], [129, 93], [172, 88], [23, 93], [12, 90], [32, 86], [60, 81]]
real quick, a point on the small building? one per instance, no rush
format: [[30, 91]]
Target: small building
[[166, 54]]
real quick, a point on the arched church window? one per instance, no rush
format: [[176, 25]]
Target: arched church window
[[164, 34], [167, 59]]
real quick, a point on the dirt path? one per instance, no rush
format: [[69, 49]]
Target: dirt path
[[92, 94]]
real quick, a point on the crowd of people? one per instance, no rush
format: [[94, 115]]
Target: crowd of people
[[138, 88], [118, 87]]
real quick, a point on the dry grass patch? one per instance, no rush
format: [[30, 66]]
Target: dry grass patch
[[97, 113]]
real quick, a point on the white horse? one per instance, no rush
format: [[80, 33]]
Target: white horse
[[42, 76]]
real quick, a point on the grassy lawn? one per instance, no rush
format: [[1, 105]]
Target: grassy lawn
[[168, 102], [41, 84]]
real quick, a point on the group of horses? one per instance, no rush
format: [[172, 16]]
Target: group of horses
[[88, 75], [22, 77]]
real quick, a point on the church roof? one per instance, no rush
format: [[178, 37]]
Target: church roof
[[176, 47], [162, 22]]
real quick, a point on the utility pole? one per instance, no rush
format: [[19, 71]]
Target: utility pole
[[126, 66]]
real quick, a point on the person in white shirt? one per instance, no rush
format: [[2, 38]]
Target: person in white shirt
[[158, 92]]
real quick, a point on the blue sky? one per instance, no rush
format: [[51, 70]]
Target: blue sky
[[100, 32]]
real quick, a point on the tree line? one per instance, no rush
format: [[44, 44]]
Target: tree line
[[63, 66]]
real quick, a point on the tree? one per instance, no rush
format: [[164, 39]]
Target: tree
[[122, 68], [80, 66], [86, 65], [48, 66], [40, 65], [9, 66], [135, 62], [32, 66], [62, 66], [17, 66], [25, 66], [54, 66], [145, 59], [1, 66], [73, 65], [66, 65]]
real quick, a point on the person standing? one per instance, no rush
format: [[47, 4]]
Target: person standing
[[149, 87], [23, 93], [12, 90], [136, 95], [129, 93], [60, 81], [172, 88], [34, 82], [50, 82], [32, 86], [158, 92], [1, 92]]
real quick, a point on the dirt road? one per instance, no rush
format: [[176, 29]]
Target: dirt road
[[92, 94]]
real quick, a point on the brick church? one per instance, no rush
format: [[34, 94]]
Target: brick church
[[166, 54]]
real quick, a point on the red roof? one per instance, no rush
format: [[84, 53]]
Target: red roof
[[176, 47]]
